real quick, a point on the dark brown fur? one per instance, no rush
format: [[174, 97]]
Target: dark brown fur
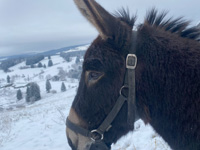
[[169, 85], [167, 79]]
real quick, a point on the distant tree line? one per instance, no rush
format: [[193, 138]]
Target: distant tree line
[[33, 91], [68, 55], [34, 59], [6, 64], [39, 65]]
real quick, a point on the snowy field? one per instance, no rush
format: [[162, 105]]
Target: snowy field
[[41, 125]]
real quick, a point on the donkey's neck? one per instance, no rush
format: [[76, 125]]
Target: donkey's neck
[[163, 82]]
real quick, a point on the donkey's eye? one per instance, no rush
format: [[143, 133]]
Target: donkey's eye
[[94, 75]]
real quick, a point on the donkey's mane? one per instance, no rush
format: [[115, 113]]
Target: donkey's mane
[[153, 18], [124, 16]]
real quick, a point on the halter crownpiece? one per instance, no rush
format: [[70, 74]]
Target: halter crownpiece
[[131, 63]]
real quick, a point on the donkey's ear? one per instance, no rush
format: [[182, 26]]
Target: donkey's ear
[[103, 21]]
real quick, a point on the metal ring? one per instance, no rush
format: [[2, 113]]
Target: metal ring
[[97, 132], [123, 87]]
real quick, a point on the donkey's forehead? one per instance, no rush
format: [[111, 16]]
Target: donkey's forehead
[[102, 56], [101, 49]]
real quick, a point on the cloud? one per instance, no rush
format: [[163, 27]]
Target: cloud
[[38, 25]]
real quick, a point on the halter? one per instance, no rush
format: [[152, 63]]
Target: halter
[[97, 135]]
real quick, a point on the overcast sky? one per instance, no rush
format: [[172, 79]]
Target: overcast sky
[[39, 25]]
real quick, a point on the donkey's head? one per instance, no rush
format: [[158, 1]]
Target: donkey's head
[[102, 76]]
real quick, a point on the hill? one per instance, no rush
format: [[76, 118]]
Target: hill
[[45, 53]]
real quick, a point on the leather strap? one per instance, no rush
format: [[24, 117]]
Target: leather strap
[[131, 63], [77, 129], [106, 125]]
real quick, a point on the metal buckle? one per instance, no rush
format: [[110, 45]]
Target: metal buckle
[[123, 87], [131, 61], [92, 135]]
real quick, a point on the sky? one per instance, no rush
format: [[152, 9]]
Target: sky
[[40, 25]]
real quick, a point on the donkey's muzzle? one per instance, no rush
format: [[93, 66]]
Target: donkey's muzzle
[[99, 145]]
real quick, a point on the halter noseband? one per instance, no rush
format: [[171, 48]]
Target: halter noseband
[[97, 135]]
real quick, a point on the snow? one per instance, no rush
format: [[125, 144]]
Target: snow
[[41, 125], [142, 138], [80, 48], [38, 126]]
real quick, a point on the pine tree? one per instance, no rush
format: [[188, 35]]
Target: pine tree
[[50, 63], [49, 57], [48, 86], [40, 65], [77, 60], [68, 59], [8, 79], [19, 94], [28, 94], [32, 66], [45, 66], [63, 87], [34, 92]]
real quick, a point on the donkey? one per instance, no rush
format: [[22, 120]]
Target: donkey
[[152, 73]]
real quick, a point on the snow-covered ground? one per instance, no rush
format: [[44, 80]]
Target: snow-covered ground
[[41, 125]]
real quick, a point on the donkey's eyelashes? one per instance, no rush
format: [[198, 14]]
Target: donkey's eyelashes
[[92, 77]]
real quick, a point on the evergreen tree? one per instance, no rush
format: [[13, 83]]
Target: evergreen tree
[[28, 94], [48, 86], [49, 57], [50, 63], [19, 94], [63, 87], [8, 79], [62, 74], [45, 66], [68, 59], [32, 66], [34, 92], [77, 60], [40, 65]]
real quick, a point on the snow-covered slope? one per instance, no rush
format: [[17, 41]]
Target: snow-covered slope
[[41, 125]]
